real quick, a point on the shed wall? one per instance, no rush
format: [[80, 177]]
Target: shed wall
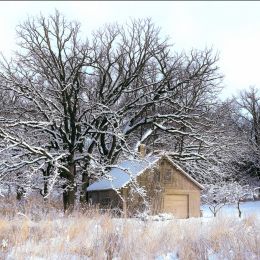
[[171, 181], [106, 198], [167, 188], [181, 185]]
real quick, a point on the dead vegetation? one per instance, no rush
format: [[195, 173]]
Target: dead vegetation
[[38, 234]]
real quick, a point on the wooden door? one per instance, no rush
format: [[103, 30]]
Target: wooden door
[[177, 204]]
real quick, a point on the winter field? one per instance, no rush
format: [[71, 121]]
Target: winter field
[[45, 233]]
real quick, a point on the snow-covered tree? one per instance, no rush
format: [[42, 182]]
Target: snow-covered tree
[[219, 194], [237, 193], [249, 113], [47, 81], [215, 196], [77, 106]]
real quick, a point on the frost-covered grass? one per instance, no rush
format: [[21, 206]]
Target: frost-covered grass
[[90, 235]]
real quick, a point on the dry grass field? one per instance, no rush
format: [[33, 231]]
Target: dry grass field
[[37, 231]]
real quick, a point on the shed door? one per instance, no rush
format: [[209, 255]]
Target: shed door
[[177, 205]]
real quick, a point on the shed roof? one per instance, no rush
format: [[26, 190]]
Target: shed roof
[[128, 170], [123, 173]]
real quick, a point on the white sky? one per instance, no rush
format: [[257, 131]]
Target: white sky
[[231, 28]]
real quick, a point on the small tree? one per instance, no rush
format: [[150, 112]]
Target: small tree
[[220, 194], [237, 193], [215, 196]]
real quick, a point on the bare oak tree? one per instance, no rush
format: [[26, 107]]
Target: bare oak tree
[[77, 106], [47, 80]]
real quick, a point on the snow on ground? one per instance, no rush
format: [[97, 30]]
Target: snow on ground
[[158, 237], [168, 256], [247, 208]]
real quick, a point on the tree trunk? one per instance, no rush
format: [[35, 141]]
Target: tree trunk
[[19, 189], [83, 192], [45, 190], [238, 207], [19, 192], [69, 190], [46, 175], [69, 197]]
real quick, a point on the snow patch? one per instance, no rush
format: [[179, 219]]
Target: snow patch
[[168, 256]]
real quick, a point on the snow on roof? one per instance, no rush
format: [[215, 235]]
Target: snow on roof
[[123, 173]]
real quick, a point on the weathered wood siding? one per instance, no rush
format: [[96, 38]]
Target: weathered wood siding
[[105, 198], [181, 185], [171, 182]]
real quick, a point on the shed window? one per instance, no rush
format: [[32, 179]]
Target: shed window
[[167, 176]]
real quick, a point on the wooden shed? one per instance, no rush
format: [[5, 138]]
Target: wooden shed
[[168, 187]]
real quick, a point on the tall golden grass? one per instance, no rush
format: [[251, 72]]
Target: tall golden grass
[[32, 232]]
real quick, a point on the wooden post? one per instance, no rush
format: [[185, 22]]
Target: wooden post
[[124, 202]]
